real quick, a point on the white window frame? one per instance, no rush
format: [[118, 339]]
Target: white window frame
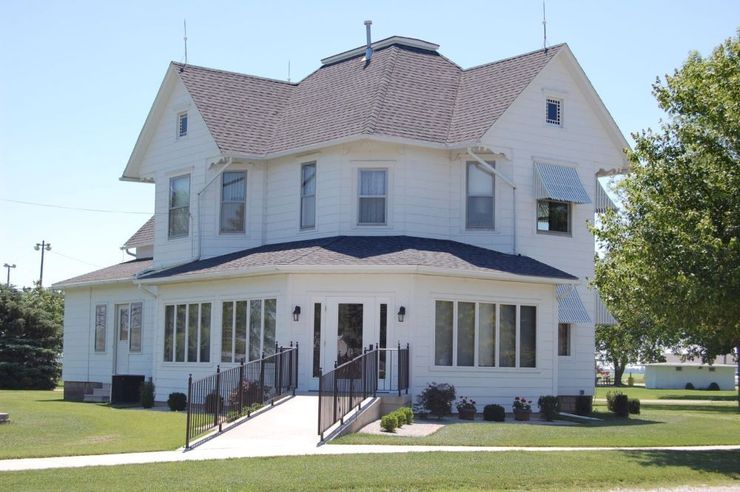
[[558, 122], [187, 305], [248, 327], [221, 229], [568, 232], [360, 196], [304, 195], [103, 328], [468, 227], [170, 208], [182, 116], [497, 334]]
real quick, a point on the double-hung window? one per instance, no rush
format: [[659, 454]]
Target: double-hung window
[[557, 188], [179, 206], [308, 195], [373, 197], [480, 334], [480, 203], [233, 201]]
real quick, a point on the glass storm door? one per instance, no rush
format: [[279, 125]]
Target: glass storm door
[[122, 338]]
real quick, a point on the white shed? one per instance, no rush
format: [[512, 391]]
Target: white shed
[[674, 375]]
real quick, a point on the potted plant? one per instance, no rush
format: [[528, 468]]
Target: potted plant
[[522, 408], [465, 408]]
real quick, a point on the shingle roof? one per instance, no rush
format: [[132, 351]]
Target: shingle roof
[[143, 237], [123, 271], [364, 251], [405, 91]]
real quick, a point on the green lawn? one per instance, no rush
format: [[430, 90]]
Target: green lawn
[[42, 424], [659, 425], [412, 471], [668, 394]]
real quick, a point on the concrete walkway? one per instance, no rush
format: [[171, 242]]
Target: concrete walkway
[[288, 429]]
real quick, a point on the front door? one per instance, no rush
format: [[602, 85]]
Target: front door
[[344, 327], [122, 338]]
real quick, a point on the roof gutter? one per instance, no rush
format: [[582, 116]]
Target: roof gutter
[[492, 170], [358, 269]]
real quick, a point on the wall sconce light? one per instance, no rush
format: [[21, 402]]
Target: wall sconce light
[[401, 313], [296, 313]]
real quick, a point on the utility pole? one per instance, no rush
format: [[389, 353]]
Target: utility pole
[[8, 266], [43, 246]]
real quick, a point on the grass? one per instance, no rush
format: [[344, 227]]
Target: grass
[[412, 471], [668, 394], [657, 425], [42, 424]]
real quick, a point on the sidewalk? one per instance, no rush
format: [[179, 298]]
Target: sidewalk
[[284, 431]]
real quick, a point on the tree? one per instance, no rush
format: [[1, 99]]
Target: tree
[[672, 254], [30, 338], [620, 345]]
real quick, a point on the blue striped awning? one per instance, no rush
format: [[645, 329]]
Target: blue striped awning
[[571, 308], [603, 200], [558, 183], [603, 316]]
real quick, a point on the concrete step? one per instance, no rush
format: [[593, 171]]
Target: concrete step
[[93, 398]]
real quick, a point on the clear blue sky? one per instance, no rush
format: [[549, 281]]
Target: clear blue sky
[[78, 78]]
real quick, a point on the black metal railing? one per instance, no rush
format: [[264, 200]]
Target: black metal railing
[[348, 385], [224, 397], [393, 369]]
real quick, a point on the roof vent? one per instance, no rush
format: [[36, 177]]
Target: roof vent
[[369, 48]]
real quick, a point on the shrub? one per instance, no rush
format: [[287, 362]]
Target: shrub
[[437, 399], [713, 387], [146, 394], [689, 386], [177, 402], [408, 413], [584, 405], [634, 406], [389, 422], [610, 397], [420, 411], [494, 413], [212, 402], [400, 417], [549, 407], [621, 405]]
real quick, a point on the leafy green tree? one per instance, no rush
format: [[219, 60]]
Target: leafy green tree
[[30, 338], [673, 252], [619, 345]]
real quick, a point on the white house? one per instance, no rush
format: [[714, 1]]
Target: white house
[[385, 181]]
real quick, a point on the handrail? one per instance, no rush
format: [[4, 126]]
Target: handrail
[[344, 388], [226, 396]]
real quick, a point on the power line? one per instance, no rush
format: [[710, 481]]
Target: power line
[[74, 259], [99, 210]]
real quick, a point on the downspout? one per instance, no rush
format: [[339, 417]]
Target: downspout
[[227, 161], [155, 323], [492, 170], [128, 252]]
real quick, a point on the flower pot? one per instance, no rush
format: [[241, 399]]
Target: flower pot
[[522, 415], [466, 414]]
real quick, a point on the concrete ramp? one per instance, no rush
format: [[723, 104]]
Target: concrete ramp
[[289, 425]]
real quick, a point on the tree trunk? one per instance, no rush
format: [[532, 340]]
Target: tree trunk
[[619, 368], [737, 358]]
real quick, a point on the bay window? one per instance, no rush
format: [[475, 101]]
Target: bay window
[[479, 334]]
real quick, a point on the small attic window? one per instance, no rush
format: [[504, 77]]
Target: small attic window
[[182, 124], [553, 111]]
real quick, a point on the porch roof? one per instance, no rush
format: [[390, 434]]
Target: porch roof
[[345, 252], [121, 272]]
